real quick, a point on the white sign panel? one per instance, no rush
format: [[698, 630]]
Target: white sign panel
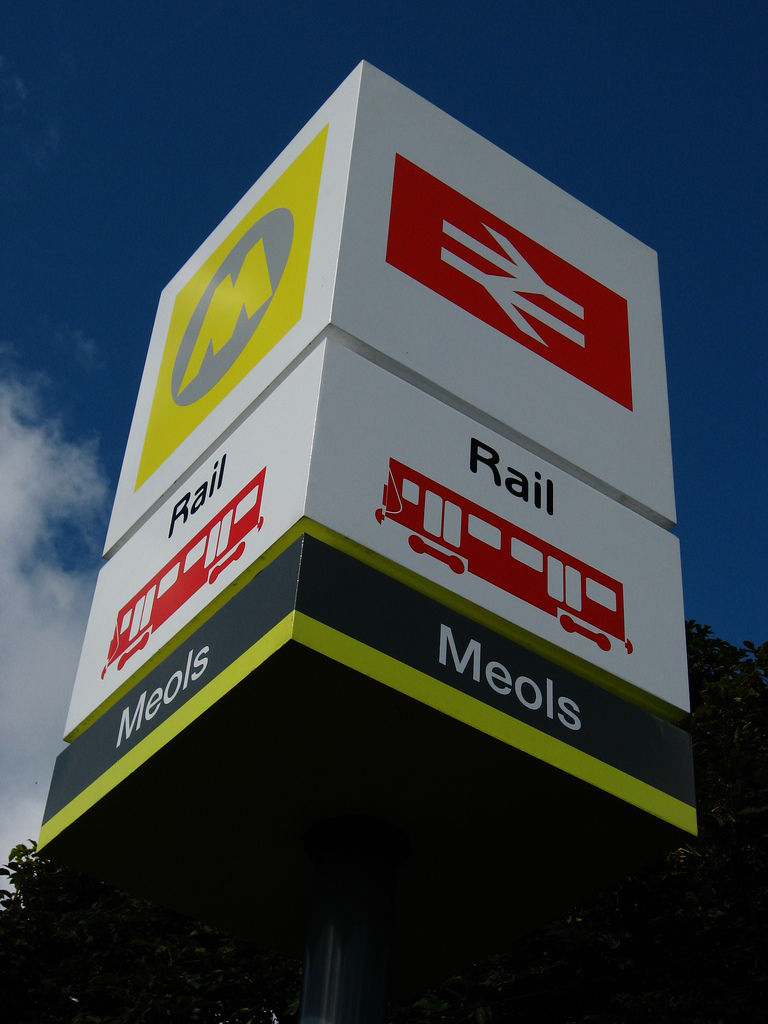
[[237, 503], [418, 482], [392, 221], [473, 272], [367, 455]]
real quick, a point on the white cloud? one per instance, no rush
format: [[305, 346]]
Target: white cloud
[[79, 345], [13, 91], [53, 498], [30, 134]]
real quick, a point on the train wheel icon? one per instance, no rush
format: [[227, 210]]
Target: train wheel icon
[[600, 639], [421, 547]]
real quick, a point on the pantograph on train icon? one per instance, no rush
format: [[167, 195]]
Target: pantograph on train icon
[[467, 537], [202, 560]]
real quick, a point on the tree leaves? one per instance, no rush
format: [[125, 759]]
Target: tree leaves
[[73, 949]]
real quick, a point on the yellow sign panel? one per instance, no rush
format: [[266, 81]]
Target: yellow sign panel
[[244, 298]]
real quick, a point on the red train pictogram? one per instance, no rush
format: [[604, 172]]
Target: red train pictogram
[[467, 537], [219, 543]]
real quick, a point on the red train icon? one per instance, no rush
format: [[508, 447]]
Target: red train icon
[[467, 537], [219, 543]]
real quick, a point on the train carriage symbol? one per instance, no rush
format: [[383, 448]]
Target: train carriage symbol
[[468, 538], [202, 560]]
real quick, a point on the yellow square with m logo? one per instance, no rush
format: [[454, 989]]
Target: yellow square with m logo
[[244, 298]]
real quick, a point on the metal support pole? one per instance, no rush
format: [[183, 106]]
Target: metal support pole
[[346, 959]]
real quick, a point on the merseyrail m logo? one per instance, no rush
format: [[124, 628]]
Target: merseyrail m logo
[[244, 298]]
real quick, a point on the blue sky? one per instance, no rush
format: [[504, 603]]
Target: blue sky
[[128, 130]]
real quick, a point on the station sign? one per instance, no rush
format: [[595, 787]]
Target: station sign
[[390, 539], [426, 243]]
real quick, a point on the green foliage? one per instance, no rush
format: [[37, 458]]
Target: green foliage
[[75, 950], [683, 942]]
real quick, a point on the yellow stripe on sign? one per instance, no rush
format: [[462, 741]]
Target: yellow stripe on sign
[[245, 297], [475, 713]]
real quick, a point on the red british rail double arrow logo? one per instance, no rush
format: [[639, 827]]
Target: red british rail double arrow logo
[[474, 259]]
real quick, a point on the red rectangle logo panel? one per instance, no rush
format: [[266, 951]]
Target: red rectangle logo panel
[[493, 271]]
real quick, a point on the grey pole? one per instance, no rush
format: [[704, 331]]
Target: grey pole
[[346, 959]]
